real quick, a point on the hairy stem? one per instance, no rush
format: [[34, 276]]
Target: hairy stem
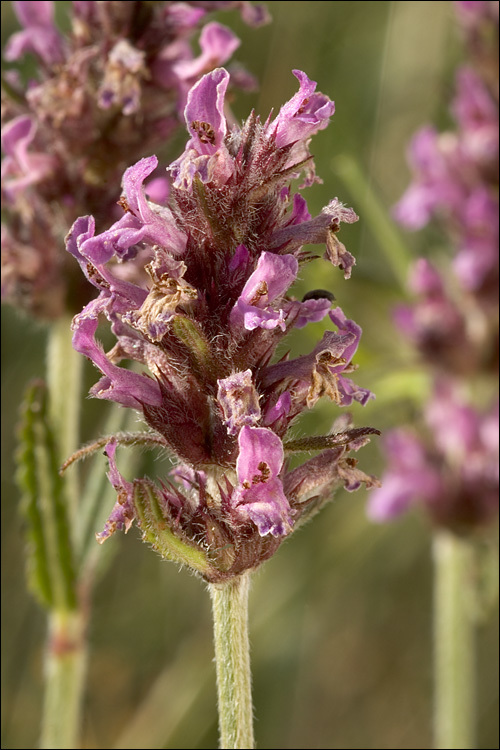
[[232, 658], [454, 652], [65, 663]]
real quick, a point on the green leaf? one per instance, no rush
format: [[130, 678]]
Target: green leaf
[[50, 568], [157, 532], [190, 333]]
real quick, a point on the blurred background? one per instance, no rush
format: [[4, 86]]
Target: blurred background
[[341, 617]]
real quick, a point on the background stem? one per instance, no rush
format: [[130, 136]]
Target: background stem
[[232, 658], [454, 647], [64, 680], [64, 381], [66, 650]]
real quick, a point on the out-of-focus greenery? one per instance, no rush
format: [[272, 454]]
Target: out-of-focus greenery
[[340, 618]]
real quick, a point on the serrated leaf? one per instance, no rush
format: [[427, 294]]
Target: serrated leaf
[[50, 569]]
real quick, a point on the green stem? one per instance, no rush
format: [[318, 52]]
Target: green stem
[[64, 681], [454, 652], [232, 658], [66, 650], [64, 381]]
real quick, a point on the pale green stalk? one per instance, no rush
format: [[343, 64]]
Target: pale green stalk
[[64, 381], [66, 654], [65, 669], [454, 648], [232, 658]]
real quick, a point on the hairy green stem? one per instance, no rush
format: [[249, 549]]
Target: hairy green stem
[[454, 651], [65, 667], [232, 658], [64, 381]]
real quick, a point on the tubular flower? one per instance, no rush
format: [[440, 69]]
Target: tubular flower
[[201, 309], [105, 94]]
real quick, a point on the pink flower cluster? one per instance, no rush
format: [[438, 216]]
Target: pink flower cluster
[[452, 465], [107, 92], [196, 293]]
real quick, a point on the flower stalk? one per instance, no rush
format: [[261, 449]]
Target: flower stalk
[[64, 382], [65, 669], [454, 651], [232, 658], [66, 647]]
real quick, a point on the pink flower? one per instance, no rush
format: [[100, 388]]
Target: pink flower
[[204, 319]]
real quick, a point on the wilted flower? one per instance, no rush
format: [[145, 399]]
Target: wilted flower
[[203, 307], [106, 93]]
